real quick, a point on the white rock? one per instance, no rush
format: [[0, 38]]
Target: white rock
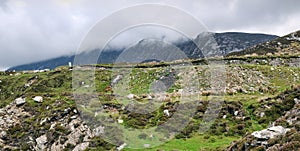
[[121, 147], [270, 132], [38, 99], [262, 114], [20, 101], [272, 69], [296, 101], [166, 112], [236, 113], [52, 126], [74, 117], [43, 121], [224, 116], [117, 79], [130, 96], [120, 121], [146, 145]]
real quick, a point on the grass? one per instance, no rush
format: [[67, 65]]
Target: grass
[[196, 143]]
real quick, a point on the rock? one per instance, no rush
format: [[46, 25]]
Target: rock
[[52, 126], [2, 112], [120, 121], [276, 147], [166, 112], [236, 113], [20, 101], [3, 134], [116, 80], [262, 114], [99, 130], [81, 147], [121, 147], [270, 132], [224, 116], [74, 137], [272, 69], [43, 121], [38, 99], [73, 117], [296, 101], [146, 145], [130, 96], [41, 141]]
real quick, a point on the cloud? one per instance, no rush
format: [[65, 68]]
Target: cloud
[[35, 30]]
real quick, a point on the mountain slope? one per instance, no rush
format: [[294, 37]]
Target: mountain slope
[[255, 97], [215, 44], [286, 45]]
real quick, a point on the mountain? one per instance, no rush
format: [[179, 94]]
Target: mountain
[[106, 57], [47, 64], [286, 45], [212, 44], [221, 43]]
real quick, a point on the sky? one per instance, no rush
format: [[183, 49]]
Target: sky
[[34, 30]]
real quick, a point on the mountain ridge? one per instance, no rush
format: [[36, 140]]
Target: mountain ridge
[[285, 45], [221, 44]]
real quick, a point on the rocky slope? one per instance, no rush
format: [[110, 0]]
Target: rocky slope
[[283, 133], [286, 45]]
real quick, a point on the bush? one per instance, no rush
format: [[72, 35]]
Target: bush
[[142, 136], [212, 140]]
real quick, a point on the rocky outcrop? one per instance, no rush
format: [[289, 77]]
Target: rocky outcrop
[[283, 134], [65, 132], [269, 133]]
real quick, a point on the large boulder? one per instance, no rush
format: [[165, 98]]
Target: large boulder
[[270, 132]]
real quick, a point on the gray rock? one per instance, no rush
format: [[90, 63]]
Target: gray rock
[[41, 141], [81, 147]]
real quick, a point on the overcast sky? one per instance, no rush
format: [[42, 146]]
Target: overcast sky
[[35, 30]]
